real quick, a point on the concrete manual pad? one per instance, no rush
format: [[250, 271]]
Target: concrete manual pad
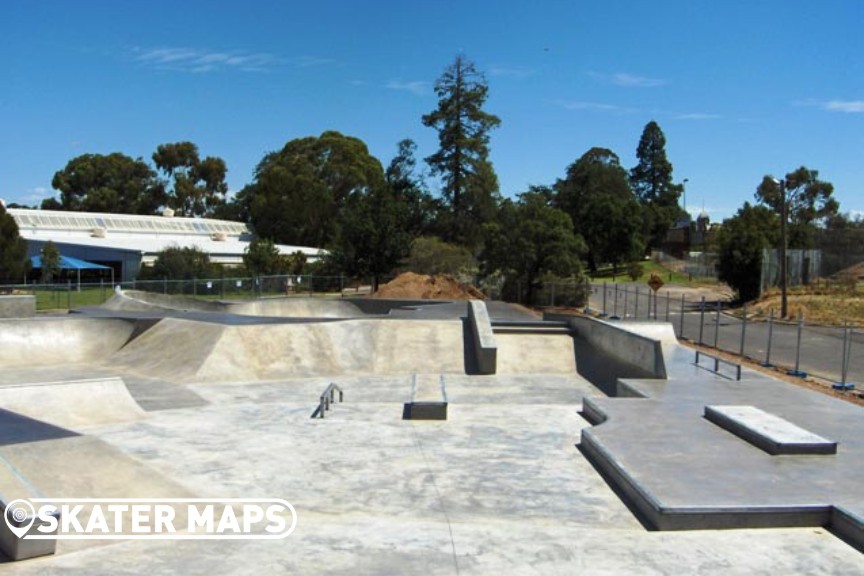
[[682, 472], [767, 431]]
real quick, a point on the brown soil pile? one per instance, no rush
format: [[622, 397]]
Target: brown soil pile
[[422, 287], [856, 272]]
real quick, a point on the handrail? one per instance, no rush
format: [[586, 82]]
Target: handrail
[[717, 361], [327, 398]]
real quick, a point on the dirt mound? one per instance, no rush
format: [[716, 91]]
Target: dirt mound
[[856, 271], [424, 287]]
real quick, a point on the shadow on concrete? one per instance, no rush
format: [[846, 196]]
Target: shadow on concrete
[[469, 349], [625, 499], [18, 429], [602, 369]]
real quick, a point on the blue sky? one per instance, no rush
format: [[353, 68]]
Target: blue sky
[[740, 88]]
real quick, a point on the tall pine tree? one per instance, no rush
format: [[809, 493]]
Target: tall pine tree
[[651, 180], [470, 186]]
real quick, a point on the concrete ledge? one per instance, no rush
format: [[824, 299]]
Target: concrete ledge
[[19, 516], [17, 306], [659, 516], [635, 349], [428, 399], [14, 546], [767, 431], [484, 339]]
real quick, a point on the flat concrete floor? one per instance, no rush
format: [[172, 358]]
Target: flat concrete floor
[[498, 488]]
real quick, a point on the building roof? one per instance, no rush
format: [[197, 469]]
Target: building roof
[[223, 240]]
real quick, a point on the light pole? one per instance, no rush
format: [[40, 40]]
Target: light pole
[[783, 300], [684, 192]]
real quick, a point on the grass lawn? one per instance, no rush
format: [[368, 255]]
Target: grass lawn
[[650, 267]]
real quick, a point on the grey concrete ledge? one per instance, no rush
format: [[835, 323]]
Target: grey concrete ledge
[[771, 433], [485, 346], [17, 306]]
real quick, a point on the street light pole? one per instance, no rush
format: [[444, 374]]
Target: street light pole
[[783, 275]]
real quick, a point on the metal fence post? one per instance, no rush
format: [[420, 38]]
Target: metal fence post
[[68, 294], [164, 285], [626, 292], [797, 372], [767, 362], [605, 288], [844, 366], [655, 302], [701, 319], [636, 312], [743, 328], [717, 327], [668, 301], [681, 329], [615, 311]]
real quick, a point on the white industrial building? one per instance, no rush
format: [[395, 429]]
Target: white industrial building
[[125, 242]]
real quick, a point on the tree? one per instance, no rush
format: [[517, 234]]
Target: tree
[[262, 258], [50, 258], [198, 185], [740, 243], [114, 184], [433, 256], [176, 263], [14, 263], [808, 201], [469, 183], [652, 182], [597, 196], [300, 191], [410, 190], [372, 238], [531, 239]]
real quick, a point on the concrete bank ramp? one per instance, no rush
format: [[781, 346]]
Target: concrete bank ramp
[[285, 307], [535, 354], [139, 301], [73, 404], [80, 466], [296, 307], [61, 340], [188, 351]]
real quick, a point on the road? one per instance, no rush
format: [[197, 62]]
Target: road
[[821, 349]]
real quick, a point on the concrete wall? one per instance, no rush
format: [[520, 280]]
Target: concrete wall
[[485, 346], [17, 306], [634, 349]]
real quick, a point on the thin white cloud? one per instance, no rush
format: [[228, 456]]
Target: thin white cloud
[[595, 106], [310, 61], [698, 116], [627, 80], [517, 72], [847, 106], [200, 61], [417, 87]]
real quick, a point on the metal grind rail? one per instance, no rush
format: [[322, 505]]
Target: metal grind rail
[[717, 361], [327, 398]]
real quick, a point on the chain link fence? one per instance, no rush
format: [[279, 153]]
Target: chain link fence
[[831, 353]]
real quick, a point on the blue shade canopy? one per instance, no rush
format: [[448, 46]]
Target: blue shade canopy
[[69, 263]]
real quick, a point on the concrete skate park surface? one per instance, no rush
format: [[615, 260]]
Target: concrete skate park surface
[[501, 486]]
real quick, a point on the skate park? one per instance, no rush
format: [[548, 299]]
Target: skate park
[[563, 445]]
